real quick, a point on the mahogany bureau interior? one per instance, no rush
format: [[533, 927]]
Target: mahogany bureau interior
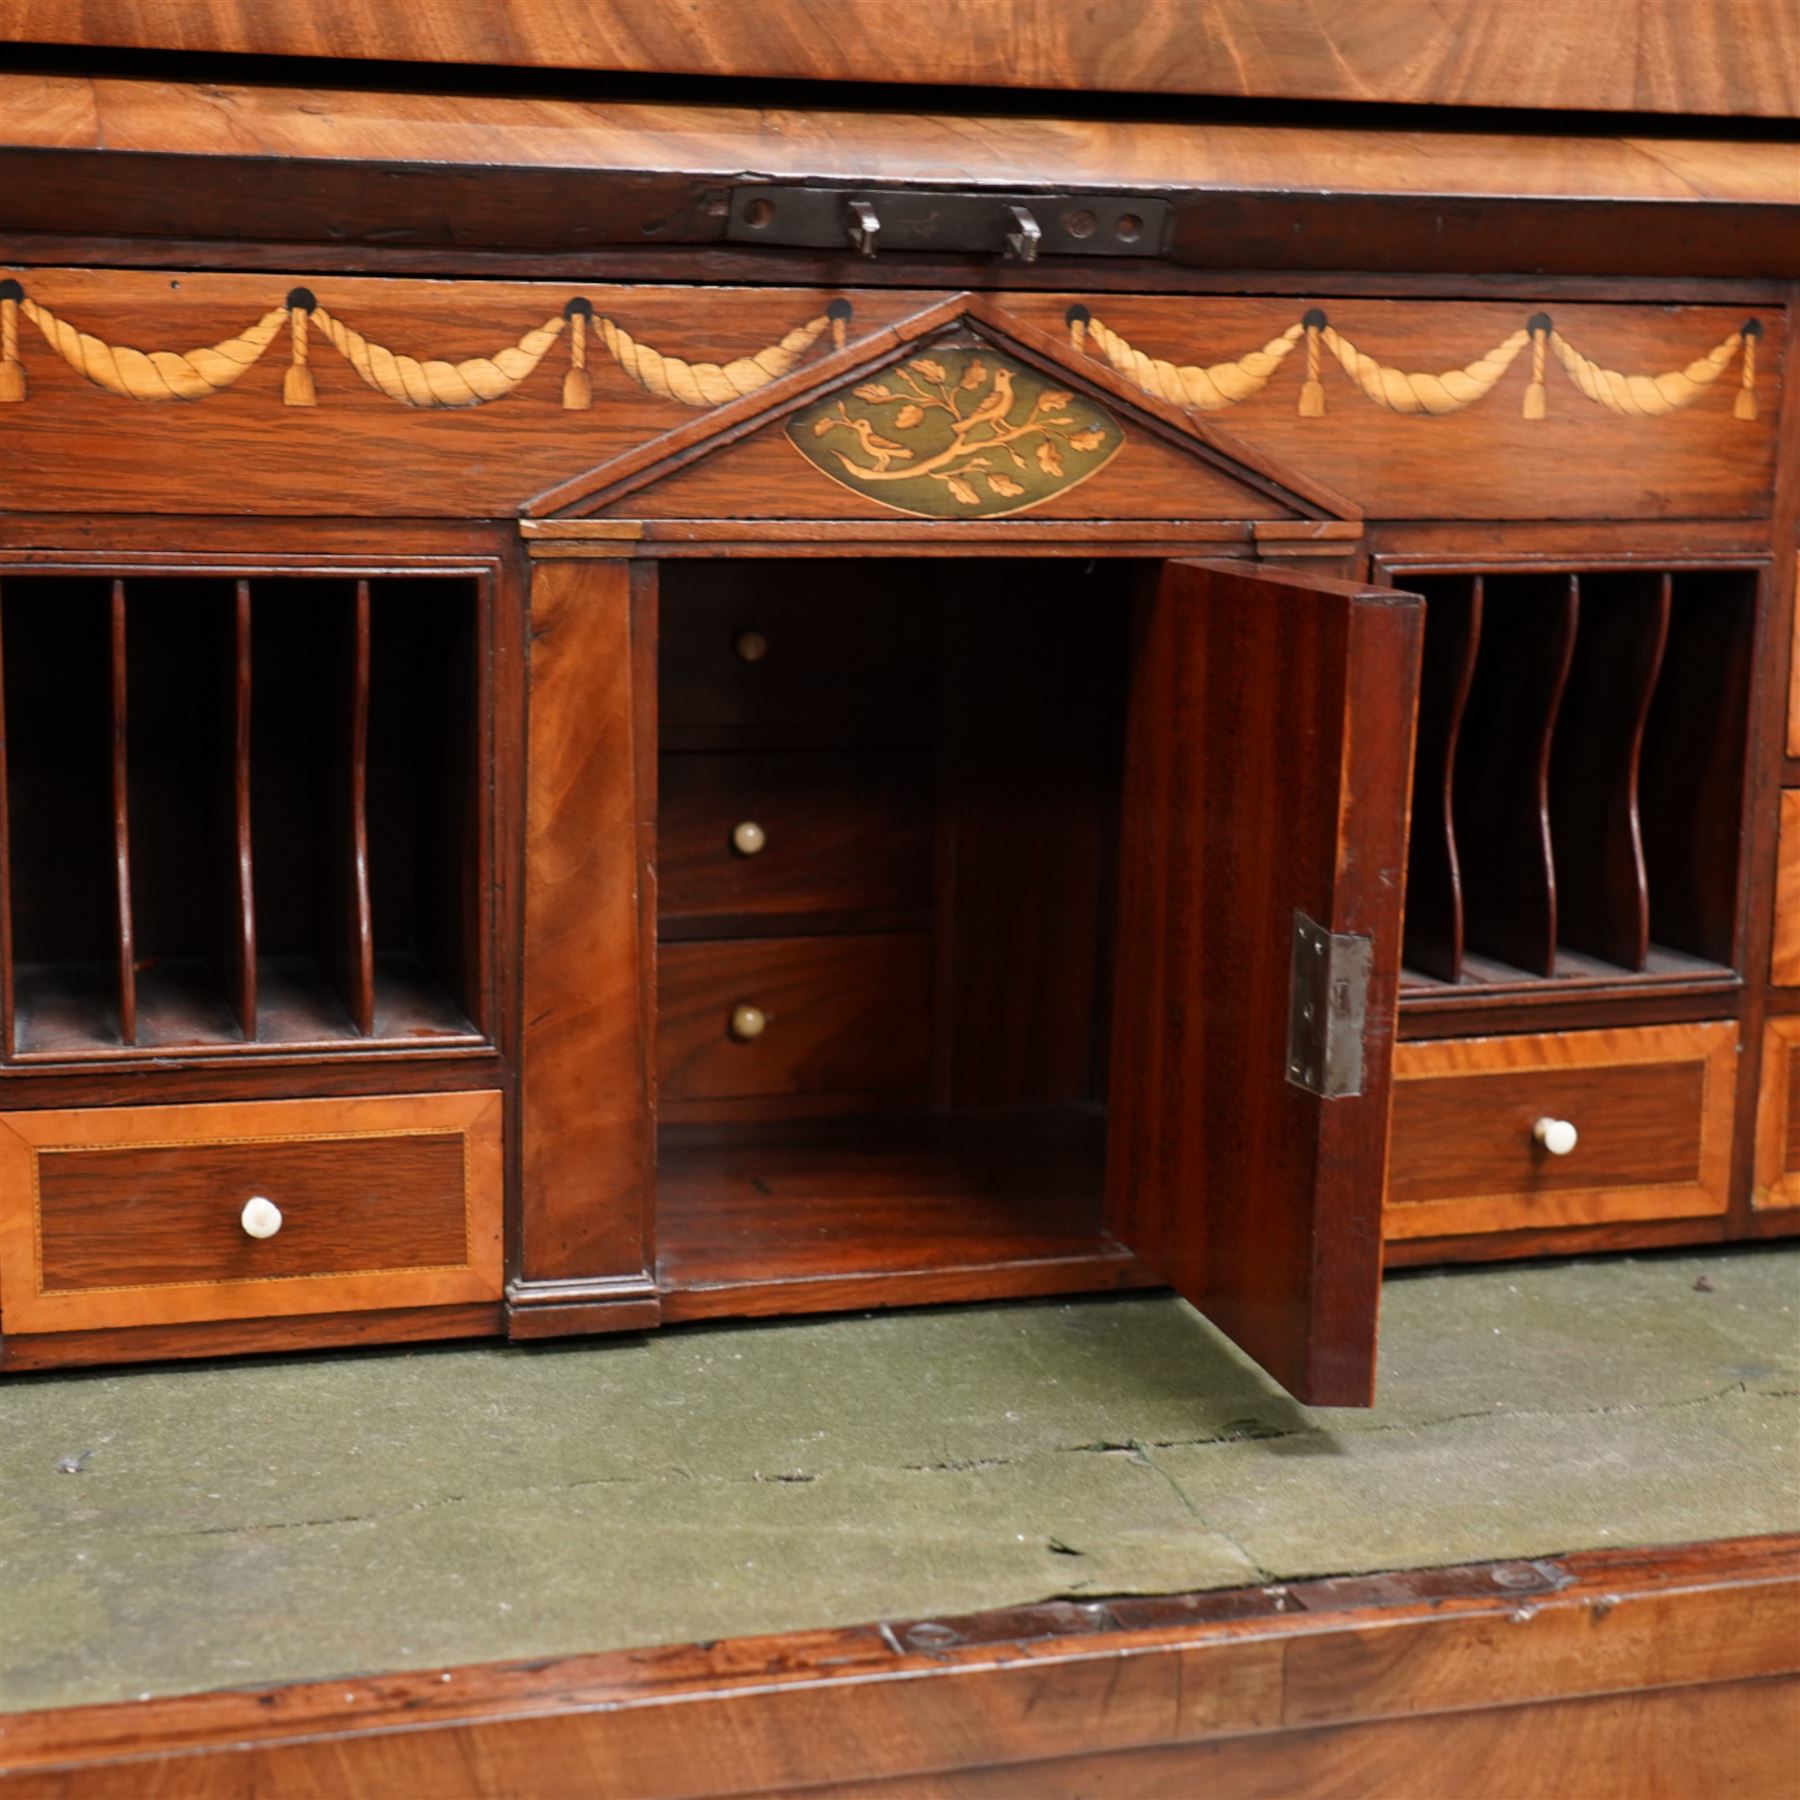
[[550, 792]]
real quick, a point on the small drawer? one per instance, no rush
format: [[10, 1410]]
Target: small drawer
[[766, 836], [757, 664], [1784, 952], [1778, 1116], [158, 1215], [1643, 1121], [778, 1016]]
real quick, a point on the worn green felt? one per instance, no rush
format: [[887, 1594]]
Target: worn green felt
[[313, 1516]]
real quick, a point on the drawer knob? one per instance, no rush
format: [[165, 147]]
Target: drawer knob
[[1557, 1136], [751, 646], [748, 838], [260, 1218], [748, 1022]]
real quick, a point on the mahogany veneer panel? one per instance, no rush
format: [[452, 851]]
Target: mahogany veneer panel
[[1686, 1654], [845, 1015], [847, 654], [812, 1217], [1778, 1116], [1784, 955], [1662, 56], [844, 832], [1242, 818], [313, 133], [130, 1216], [1653, 1109], [586, 1156]]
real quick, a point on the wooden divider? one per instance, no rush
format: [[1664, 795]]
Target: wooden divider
[[243, 969], [1603, 892], [1501, 786], [1434, 899], [359, 983], [121, 813]]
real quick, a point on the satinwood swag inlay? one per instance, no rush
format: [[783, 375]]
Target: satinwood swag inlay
[[957, 434], [433, 383]]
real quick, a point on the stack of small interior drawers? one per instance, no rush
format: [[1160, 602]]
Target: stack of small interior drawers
[[796, 840]]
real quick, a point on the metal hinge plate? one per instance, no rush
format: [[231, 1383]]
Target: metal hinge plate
[[1328, 1005]]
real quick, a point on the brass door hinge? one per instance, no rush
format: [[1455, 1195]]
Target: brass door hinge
[[1328, 1006]]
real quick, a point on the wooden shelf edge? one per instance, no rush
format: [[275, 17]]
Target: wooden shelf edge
[[792, 1710]]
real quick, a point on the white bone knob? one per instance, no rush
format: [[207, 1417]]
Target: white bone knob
[[1557, 1136], [260, 1218], [748, 1022], [748, 838], [751, 646]]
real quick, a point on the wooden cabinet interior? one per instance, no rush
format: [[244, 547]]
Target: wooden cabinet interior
[[930, 753], [241, 812], [1110, 918], [1579, 788]]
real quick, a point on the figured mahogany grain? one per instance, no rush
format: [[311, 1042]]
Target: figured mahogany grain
[[1652, 1107], [1672, 56], [586, 1052], [154, 1217], [844, 832], [847, 1014], [21, 1351], [1784, 951], [1777, 1177], [822, 1215], [131, 1216], [1257, 1200], [848, 663], [1435, 1660]]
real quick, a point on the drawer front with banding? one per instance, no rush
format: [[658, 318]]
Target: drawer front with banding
[[1566, 1128], [179, 1214]]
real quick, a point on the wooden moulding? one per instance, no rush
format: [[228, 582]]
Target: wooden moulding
[[1777, 1117], [587, 1154], [1480, 1678], [1784, 955], [128, 1216], [1663, 56], [1654, 1106]]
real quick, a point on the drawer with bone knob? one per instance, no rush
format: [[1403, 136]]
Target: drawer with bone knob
[[806, 1017], [1565, 1128], [744, 660], [762, 839], [155, 1215]]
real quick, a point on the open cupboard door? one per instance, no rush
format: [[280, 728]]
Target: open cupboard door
[[1262, 857]]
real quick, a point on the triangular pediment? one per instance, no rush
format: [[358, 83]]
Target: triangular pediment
[[961, 413]]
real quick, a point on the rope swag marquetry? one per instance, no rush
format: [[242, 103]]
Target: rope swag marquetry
[[1221, 384], [411, 381]]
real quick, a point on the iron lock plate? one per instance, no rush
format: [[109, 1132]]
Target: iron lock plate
[[920, 221], [1328, 1008]]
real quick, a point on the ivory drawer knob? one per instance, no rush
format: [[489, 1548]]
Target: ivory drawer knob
[[1557, 1136], [260, 1218], [751, 646], [748, 838], [748, 1022]]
